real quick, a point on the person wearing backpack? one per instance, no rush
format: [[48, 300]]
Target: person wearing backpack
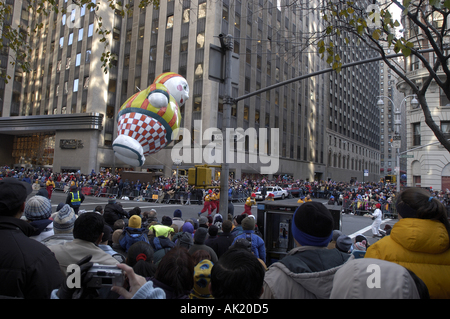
[[133, 233], [258, 247], [160, 241]]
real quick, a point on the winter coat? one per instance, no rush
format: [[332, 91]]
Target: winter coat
[[43, 229], [395, 281], [422, 246], [258, 247], [28, 269], [306, 272], [72, 252], [132, 235], [113, 212], [222, 243], [161, 245]]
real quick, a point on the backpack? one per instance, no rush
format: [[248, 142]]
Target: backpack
[[132, 237], [254, 249], [157, 244]]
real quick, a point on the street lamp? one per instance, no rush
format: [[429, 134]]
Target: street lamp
[[397, 123]]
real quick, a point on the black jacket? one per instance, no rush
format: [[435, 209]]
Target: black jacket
[[113, 212], [222, 243], [28, 269]]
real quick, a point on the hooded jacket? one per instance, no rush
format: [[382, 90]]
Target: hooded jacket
[[307, 272], [368, 278], [422, 246]]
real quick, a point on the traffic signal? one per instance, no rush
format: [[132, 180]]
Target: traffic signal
[[199, 176]]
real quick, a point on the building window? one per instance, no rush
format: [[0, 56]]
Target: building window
[[75, 85], [186, 13], [169, 24], [444, 101], [198, 73], [416, 134], [78, 59], [445, 128], [168, 49], [86, 82], [202, 10], [184, 45], [80, 34], [200, 40], [91, 30], [225, 13]]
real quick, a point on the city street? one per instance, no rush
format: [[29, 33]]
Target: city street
[[351, 224]]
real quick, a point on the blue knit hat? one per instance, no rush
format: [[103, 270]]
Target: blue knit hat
[[38, 207], [187, 227], [177, 213]]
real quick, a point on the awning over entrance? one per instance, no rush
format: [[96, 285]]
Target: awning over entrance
[[43, 123]]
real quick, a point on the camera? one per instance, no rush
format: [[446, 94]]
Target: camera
[[105, 275]]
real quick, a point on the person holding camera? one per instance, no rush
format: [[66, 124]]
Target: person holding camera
[[87, 234]]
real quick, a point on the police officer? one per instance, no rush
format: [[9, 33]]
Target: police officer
[[75, 198]]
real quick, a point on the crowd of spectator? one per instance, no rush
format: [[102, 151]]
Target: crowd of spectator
[[217, 257]]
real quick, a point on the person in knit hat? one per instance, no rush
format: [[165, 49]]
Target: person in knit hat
[[361, 243], [344, 244], [199, 244], [360, 246], [202, 278], [307, 271], [185, 237], [133, 233], [336, 234], [38, 210], [63, 220], [177, 220], [258, 246], [63, 223]]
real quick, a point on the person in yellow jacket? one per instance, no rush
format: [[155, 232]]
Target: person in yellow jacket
[[249, 203], [50, 185], [207, 206], [301, 200], [419, 241], [215, 200]]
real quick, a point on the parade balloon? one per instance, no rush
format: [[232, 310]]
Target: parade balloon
[[150, 119]]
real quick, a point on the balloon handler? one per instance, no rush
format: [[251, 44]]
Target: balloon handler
[[249, 203], [208, 204]]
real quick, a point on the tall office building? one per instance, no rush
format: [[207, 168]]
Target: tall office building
[[326, 123], [428, 165]]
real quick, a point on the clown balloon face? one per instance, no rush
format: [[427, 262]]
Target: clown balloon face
[[148, 119], [177, 86]]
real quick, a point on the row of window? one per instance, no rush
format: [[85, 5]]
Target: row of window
[[80, 36]]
